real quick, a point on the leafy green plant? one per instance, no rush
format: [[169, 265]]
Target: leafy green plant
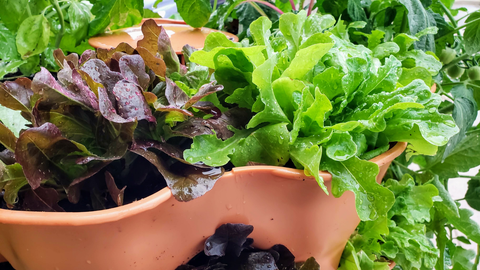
[[31, 29]]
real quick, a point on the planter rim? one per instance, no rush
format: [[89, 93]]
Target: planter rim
[[152, 201]]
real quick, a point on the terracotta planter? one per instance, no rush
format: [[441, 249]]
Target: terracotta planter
[[179, 33], [159, 232]]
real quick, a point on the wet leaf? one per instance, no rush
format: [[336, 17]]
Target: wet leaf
[[192, 183], [154, 63], [204, 91], [60, 58], [228, 238], [16, 95], [132, 68]]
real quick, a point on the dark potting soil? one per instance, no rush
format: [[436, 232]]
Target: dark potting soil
[[6, 266], [231, 249]]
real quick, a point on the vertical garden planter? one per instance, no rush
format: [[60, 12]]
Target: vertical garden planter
[[158, 232]]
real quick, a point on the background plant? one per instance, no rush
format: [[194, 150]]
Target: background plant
[[31, 29]]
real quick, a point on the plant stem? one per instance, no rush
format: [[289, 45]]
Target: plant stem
[[456, 60], [449, 96], [468, 14], [469, 177], [302, 4], [310, 7], [257, 8], [449, 14], [56, 6], [293, 5], [458, 200], [270, 5], [455, 30], [404, 167], [215, 5], [477, 258], [29, 12], [403, 28], [53, 12], [446, 108]]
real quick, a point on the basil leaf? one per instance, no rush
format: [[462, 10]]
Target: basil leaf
[[196, 13], [115, 14], [33, 36], [13, 13]]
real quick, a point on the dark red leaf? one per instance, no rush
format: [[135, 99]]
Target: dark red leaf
[[228, 238], [36, 150], [87, 55], [100, 73], [192, 183], [208, 108], [60, 58], [42, 199], [16, 95], [131, 104], [154, 63], [115, 193], [104, 54], [53, 93], [204, 91], [167, 52], [175, 95]]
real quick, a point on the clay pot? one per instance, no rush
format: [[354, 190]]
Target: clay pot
[[160, 233], [180, 34]]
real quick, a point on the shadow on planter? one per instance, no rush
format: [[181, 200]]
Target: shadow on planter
[[158, 232]]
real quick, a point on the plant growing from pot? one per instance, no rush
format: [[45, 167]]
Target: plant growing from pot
[[32, 30], [304, 97]]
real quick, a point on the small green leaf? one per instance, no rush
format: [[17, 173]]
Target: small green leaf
[[472, 33], [359, 176], [272, 113], [12, 181], [305, 59], [473, 194], [267, 145], [196, 13]]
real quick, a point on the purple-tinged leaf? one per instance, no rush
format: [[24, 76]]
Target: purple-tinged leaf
[[115, 193], [169, 149], [38, 148], [192, 183], [151, 32], [132, 68], [100, 73], [72, 81], [60, 58], [7, 138], [236, 117], [228, 239], [167, 52], [42, 199], [204, 91], [131, 104], [161, 108], [104, 54], [7, 157], [16, 95], [154, 63], [53, 93], [175, 95], [208, 108], [106, 108], [87, 55]]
